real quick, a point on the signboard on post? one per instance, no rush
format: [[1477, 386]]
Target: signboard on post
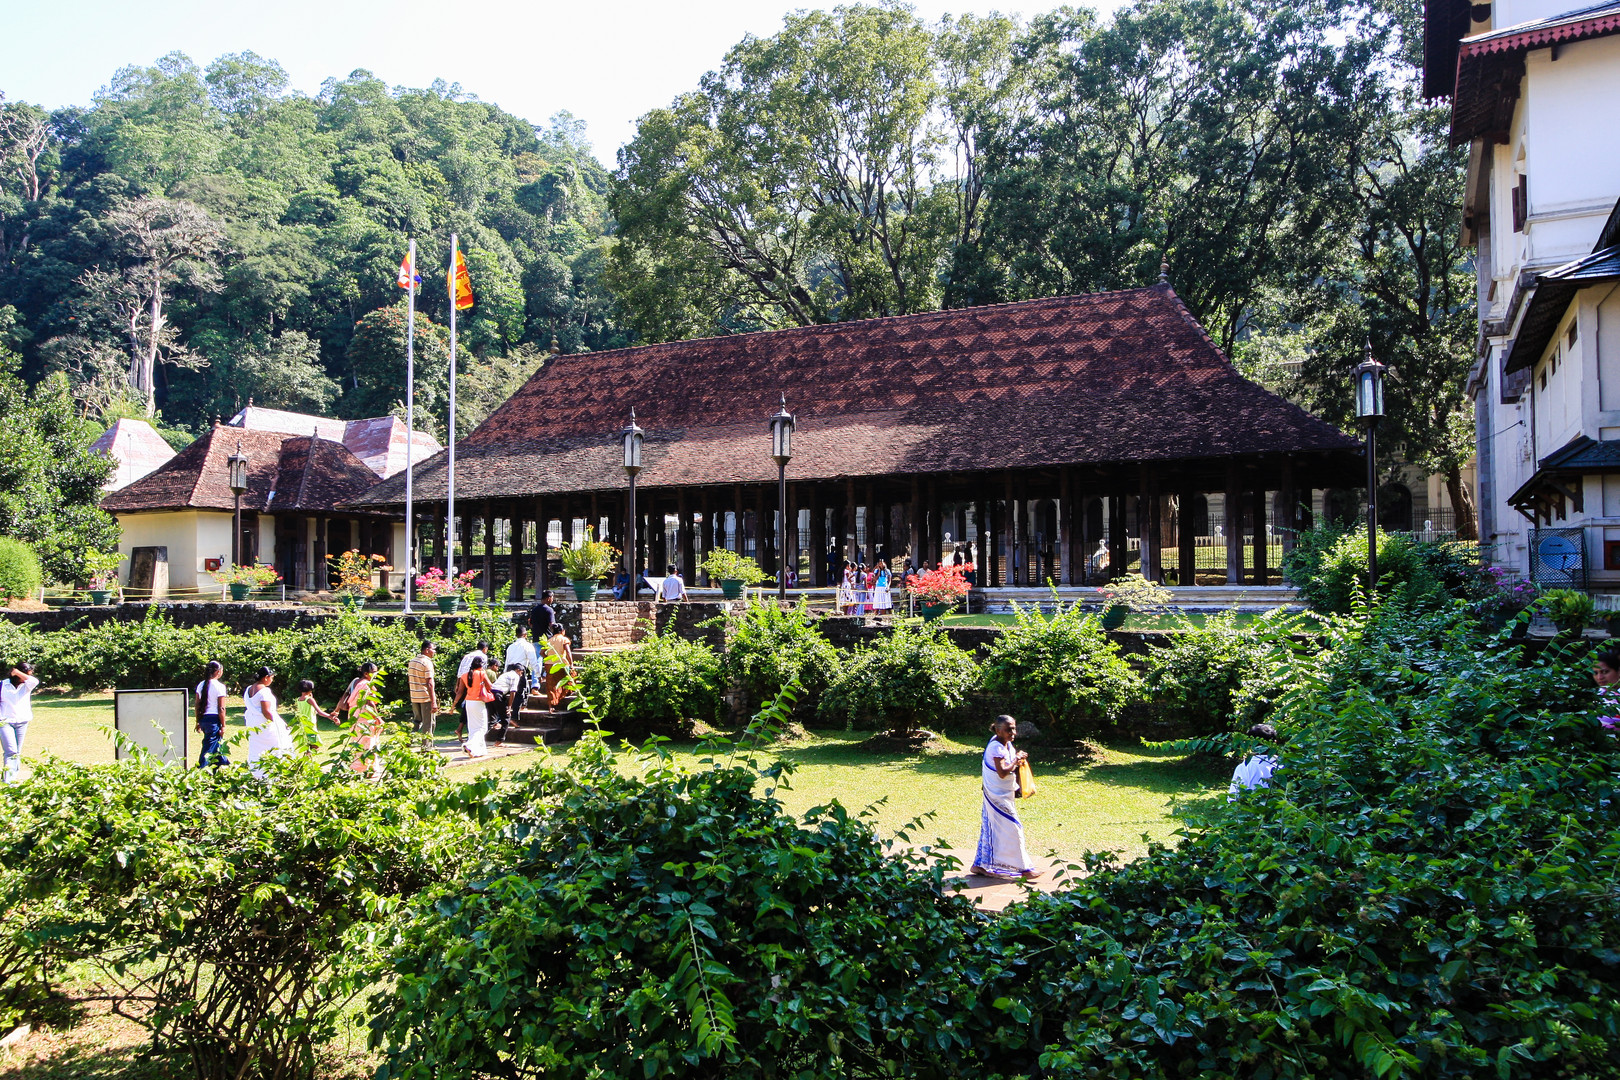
[[155, 720]]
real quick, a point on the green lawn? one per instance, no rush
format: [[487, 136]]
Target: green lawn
[[1105, 803], [1133, 621]]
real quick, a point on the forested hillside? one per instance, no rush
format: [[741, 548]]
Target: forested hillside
[[264, 229]]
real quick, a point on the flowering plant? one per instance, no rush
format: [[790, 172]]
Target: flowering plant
[[1133, 592], [946, 585], [354, 571], [1501, 594], [258, 575], [432, 584], [102, 568]]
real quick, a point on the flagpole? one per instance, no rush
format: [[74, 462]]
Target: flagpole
[[410, 419], [450, 490]]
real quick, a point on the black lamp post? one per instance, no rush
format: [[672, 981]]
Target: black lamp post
[[1370, 410], [632, 435], [782, 452], [238, 463]]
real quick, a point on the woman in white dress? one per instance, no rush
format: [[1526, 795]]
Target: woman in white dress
[[267, 731], [1001, 851], [479, 695], [882, 598]]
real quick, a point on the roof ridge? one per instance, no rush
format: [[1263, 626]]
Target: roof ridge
[[309, 459], [874, 320]]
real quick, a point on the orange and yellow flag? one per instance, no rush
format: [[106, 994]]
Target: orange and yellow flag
[[461, 284]]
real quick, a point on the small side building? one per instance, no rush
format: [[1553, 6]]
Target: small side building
[[290, 510], [136, 449]]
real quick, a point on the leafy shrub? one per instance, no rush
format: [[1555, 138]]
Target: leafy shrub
[[20, 574], [329, 653], [1425, 891], [661, 685], [907, 677], [1329, 565], [232, 910], [769, 646], [679, 926], [17, 642], [1065, 665], [1217, 677], [722, 564], [1571, 610]]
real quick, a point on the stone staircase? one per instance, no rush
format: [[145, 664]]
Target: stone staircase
[[539, 724]]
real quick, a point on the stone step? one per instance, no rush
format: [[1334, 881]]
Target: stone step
[[544, 734]]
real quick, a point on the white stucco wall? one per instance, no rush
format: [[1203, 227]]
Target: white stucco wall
[[175, 530]]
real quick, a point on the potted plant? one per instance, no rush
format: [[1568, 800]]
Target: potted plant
[[938, 591], [585, 566], [446, 592], [734, 572], [1133, 592], [244, 579], [102, 569], [354, 573], [1571, 610]]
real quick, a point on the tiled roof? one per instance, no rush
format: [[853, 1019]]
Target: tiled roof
[[1108, 377], [136, 449], [1490, 66], [285, 473], [1554, 291], [379, 441]]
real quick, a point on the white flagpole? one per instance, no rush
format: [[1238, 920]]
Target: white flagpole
[[450, 490], [410, 420]]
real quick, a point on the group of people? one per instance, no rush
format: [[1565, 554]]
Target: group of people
[[865, 590]]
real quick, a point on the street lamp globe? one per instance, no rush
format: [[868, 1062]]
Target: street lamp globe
[[632, 435], [238, 463], [782, 435], [1369, 388]]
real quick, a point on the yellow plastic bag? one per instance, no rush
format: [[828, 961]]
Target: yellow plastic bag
[[1026, 780]]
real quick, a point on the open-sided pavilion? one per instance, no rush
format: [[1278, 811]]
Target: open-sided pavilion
[[1034, 432]]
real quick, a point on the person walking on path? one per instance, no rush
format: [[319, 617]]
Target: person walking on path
[[424, 694], [267, 731], [504, 710], [672, 590], [305, 710], [16, 710], [209, 697], [479, 695], [541, 616], [559, 666], [522, 652], [366, 722], [1001, 851], [481, 653]]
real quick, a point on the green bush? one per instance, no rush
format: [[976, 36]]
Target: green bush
[[677, 925], [1219, 677], [234, 910], [1066, 666], [660, 686], [20, 574], [768, 647], [1328, 565], [17, 643], [908, 677], [483, 620]]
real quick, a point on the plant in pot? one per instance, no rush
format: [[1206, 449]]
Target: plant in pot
[[938, 591], [433, 587], [244, 579], [1571, 610], [1133, 592], [734, 572], [586, 565], [101, 569], [355, 576]]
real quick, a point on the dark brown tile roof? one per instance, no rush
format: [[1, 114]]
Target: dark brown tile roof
[[1108, 377], [285, 473]]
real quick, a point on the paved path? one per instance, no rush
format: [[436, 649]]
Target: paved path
[[450, 747], [994, 894]]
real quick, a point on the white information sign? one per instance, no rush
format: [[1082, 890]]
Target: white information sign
[[157, 720]]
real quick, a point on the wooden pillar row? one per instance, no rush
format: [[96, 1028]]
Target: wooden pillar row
[[1262, 542], [1234, 525], [818, 538]]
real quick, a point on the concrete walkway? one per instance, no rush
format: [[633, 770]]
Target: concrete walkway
[[995, 894]]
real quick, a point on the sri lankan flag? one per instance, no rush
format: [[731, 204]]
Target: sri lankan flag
[[460, 284]]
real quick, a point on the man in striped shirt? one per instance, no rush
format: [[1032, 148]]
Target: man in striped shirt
[[424, 695]]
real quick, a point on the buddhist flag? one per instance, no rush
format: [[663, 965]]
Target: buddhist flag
[[407, 274], [461, 284]]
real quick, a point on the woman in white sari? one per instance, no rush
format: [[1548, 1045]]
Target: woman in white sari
[[882, 598], [267, 731], [1001, 851]]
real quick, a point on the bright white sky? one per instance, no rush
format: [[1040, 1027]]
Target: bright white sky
[[606, 61]]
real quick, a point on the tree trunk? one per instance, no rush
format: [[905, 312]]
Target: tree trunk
[[154, 331], [1462, 504]]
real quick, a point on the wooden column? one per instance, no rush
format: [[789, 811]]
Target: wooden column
[[936, 538], [1118, 548], [1288, 500], [439, 539], [1151, 526], [790, 531], [514, 541], [1234, 525], [1186, 538], [1082, 562], [981, 518], [1065, 527], [764, 528], [737, 519], [685, 559], [818, 538], [916, 523], [542, 526], [1262, 552], [846, 537], [705, 530]]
